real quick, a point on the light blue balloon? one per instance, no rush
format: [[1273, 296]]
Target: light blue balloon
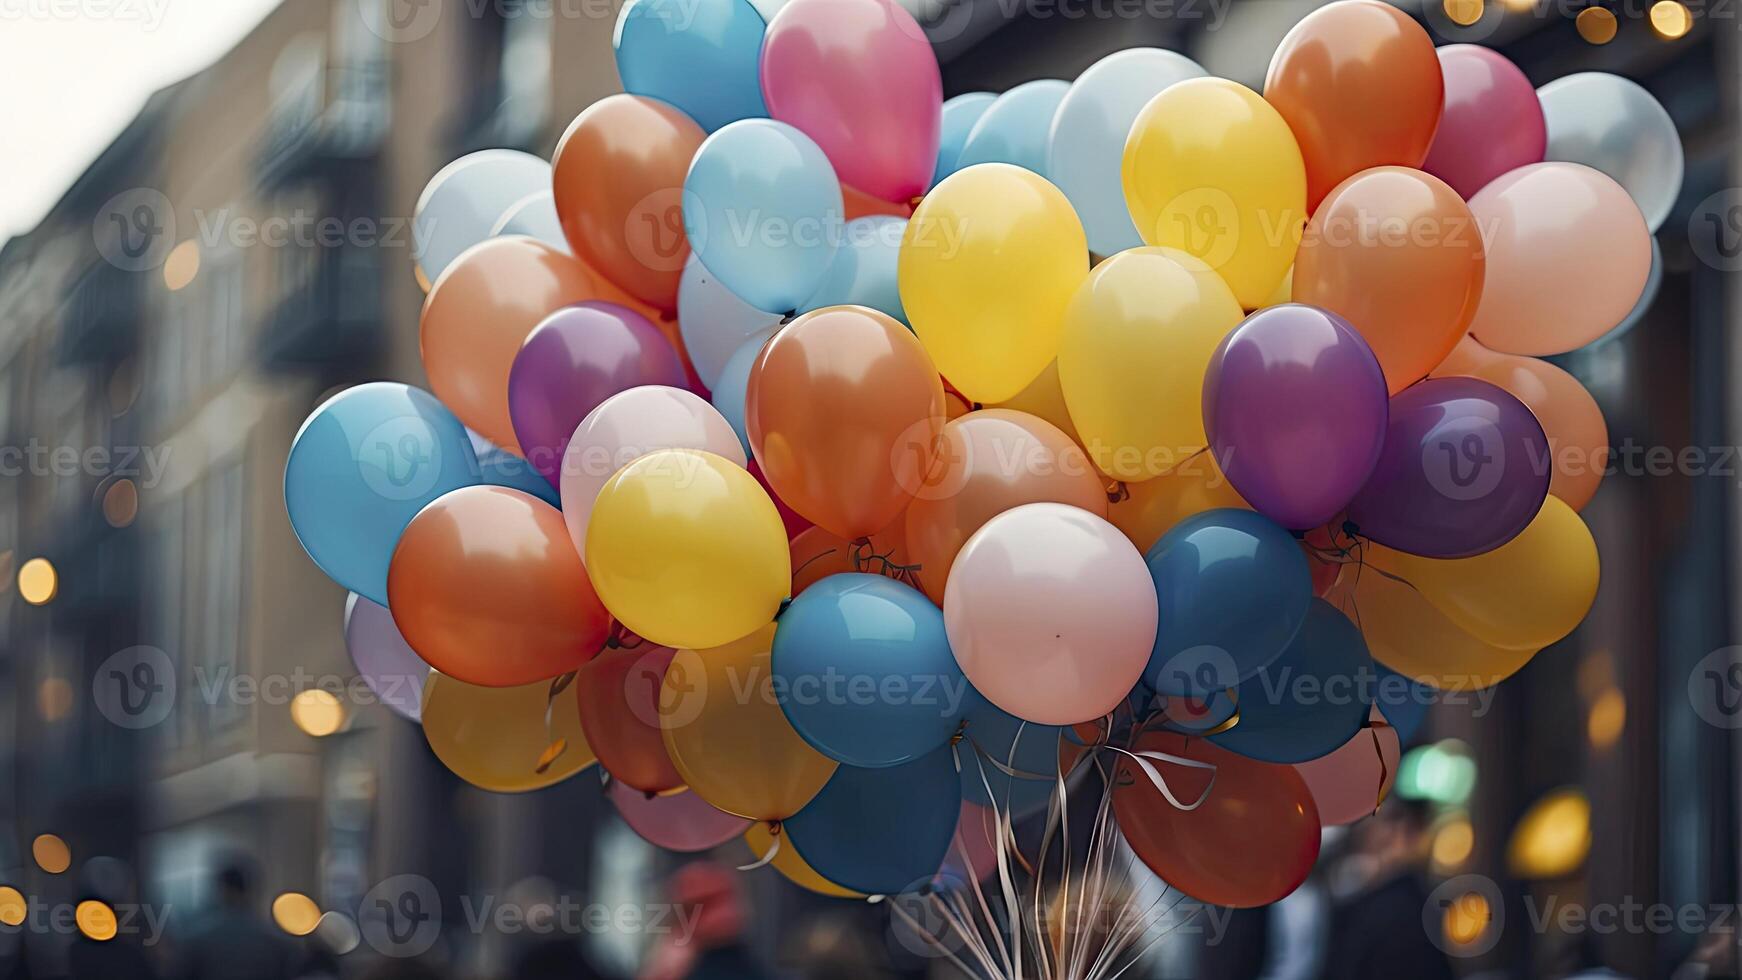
[[714, 321], [699, 55], [865, 673], [728, 395], [863, 273], [960, 115], [762, 208], [1014, 127], [362, 466], [880, 831], [1402, 702], [1309, 701], [501, 468], [1024, 748]]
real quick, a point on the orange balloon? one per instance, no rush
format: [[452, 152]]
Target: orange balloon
[[988, 462], [486, 587], [1146, 511], [619, 174], [1360, 85], [618, 694], [845, 410], [478, 314], [1253, 840], [818, 553], [1395, 252], [1578, 438], [859, 204]]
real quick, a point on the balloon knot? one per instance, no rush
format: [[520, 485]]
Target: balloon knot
[[785, 604], [961, 733], [788, 317], [1351, 528]]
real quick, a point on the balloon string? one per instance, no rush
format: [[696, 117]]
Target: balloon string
[[774, 848], [1119, 492], [807, 562], [556, 745], [864, 559], [619, 638], [1143, 758], [1384, 770]]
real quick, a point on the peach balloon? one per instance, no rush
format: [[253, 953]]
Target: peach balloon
[[1396, 252], [1568, 257], [1352, 781], [1146, 511], [478, 314], [818, 553]]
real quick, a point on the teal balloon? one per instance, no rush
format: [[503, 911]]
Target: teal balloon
[[960, 115], [863, 273], [880, 831], [734, 385], [362, 466], [864, 671], [699, 55], [1402, 702], [762, 209], [1015, 127], [501, 468], [1233, 587], [1024, 748], [1310, 700]]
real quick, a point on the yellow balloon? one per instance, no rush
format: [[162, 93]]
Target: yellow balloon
[[1211, 168], [1150, 509], [1284, 291], [1407, 633], [791, 865], [728, 737], [1138, 335], [1525, 594], [1044, 399], [685, 549], [496, 738], [988, 262]]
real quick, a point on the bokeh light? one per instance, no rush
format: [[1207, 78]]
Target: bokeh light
[[181, 265], [13, 908], [96, 920], [1671, 19], [1596, 25], [121, 502], [317, 713], [38, 582], [1467, 918], [1452, 844], [1553, 837], [296, 913], [338, 932], [51, 853], [1463, 12], [54, 698], [1607, 718]]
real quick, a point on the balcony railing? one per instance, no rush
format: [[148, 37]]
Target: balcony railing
[[100, 318], [329, 310], [331, 125]]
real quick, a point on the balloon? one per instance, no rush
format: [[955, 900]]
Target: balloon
[[714, 321], [1525, 594], [1401, 702], [1211, 169], [865, 671], [1397, 254], [534, 216], [361, 467], [1360, 85], [1408, 634], [1578, 438], [681, 822], [1310, 700], [727, 736], [996, 744], [1642, 307], [734, 385], [478, 314], [1547, 290], [863, 273], [791, 866], [861, 80], [1614, 125], [619, 187], [1464, 469], [1253, 840], [1050, 570], [880, 831], [818, 554], [1044, 399], [1284, 292], [1233, 589], [959, 116], [1351, 782], [571, 363], [793, 521], [973, 854], [619, 694], [1014, 128], [1150, 509], [500, 468], [701, 57], [498, 739], [485, 587], [388, 665], [844, 412], [627, 426], [461, 204], [1088, 137], [687, 550], [988, 462], [1492, 121], [1295, 405], [763, 211]]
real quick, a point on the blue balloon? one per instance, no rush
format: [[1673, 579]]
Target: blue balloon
[[960, 115], [1233, 588], [360, 469], [1310, 700], [762, 209], [863, 273], [1011, 743], [700, 55], [1015, 127], [880, 831], [500, 468], [1401, 701], [865, 672], [734, 385]]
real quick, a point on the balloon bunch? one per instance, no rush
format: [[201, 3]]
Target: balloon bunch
[[793, 455]]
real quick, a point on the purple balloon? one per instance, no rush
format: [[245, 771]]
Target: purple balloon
[[1294, 405], [681, 822], [388, 664], [578, 357], [1465, 468]]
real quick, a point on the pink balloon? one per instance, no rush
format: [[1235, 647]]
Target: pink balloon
[[1492, 121], [860, 78], [629, 425], [1051, 613], [1349, 783], [681, 822]]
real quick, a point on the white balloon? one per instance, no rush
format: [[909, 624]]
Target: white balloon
[[534, 215], [462, 203], [1013, 128], [1614, 125], [714, 322]]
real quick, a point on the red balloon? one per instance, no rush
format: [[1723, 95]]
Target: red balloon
[[1253, 840], [796, 524], [618, 694]]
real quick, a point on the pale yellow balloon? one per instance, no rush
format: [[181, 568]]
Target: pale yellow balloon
[[1284, 291], [497, 738], [1138, 335], [1410, 635], [988, 262], [1044, 399], [791, 865], [1211, 168], [1150, 509]]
